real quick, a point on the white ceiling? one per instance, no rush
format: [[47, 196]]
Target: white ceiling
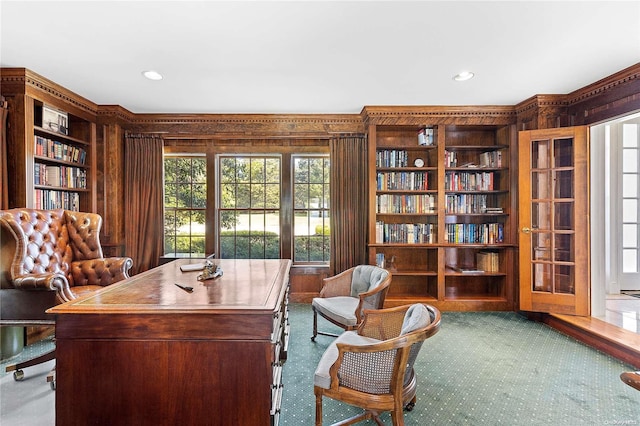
[[317, 56]]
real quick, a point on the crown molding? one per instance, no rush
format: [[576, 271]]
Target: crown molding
[[421, 115], [620, 90], [538, 101], [24, 81], [225, 125], [115, 112], [625, 76]]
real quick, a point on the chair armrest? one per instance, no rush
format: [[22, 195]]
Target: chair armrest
[[45, 282], [102, 272], [373, 299], [382, 287], [337, 285]]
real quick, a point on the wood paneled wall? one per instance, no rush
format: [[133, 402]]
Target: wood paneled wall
[[613, 96], [604, 99]]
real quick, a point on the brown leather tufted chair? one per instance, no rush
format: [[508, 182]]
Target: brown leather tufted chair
[[49, 257]]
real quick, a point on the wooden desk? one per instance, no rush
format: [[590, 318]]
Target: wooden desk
[[145, 352]]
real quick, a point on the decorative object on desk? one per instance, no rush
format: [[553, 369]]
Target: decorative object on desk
[[210, 271]]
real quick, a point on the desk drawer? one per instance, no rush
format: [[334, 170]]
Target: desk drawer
[[285, 344]]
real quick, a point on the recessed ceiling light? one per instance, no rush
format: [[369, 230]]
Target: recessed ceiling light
[[152, 75], [463, 76]]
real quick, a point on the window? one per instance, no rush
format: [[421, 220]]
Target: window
[[311, 209], [630, 197], [260, 206], [617, 177], [185, 204], [249, 207]]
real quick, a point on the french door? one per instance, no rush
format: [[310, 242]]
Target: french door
[[554, 221], [625, 138]]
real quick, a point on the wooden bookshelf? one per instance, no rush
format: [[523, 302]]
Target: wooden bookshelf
[[49, 167], [459, 188]]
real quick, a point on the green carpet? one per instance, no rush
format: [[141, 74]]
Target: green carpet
[[482, 368]]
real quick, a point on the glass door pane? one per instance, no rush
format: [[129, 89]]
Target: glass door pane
[[630, 223], [552, 215]]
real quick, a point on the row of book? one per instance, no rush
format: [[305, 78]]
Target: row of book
[[474, 233], [402, 181], [392, 158], [469, 181], [405, 203], [491, 159], [426, 136], [405, 233], [60, 176], [59, 151], [400, 158], [486, 159], [488, 261], [49, 199], [470, 204]]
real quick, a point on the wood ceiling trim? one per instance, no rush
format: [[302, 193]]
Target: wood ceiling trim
[[25, 81]]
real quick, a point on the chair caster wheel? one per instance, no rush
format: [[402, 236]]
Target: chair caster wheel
[[313, 339], [410, 406], [18, 375]]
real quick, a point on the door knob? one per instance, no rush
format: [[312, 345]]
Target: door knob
[[526, 230]]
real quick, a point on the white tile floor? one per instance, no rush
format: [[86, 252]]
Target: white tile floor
[[623, 311]]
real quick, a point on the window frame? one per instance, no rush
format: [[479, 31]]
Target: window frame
[[323, 211], [204, 210], [219, 209]]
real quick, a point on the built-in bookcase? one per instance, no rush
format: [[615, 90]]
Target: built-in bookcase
[[51, 139], [441, 218], [61, 164]]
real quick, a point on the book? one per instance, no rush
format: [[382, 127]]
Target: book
[[190, 267], [465, 269]]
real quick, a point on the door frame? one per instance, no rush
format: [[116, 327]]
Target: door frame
[[578, 303]]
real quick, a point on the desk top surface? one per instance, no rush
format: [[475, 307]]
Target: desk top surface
[[247, 284]]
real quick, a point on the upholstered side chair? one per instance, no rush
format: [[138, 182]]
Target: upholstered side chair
[[372, 367], [50, 257], [344, 297]]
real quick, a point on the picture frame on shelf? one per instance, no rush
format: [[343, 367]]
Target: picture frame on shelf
[[55, 120]]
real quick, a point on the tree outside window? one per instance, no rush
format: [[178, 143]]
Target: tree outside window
[[311, 234], [249, 207], [185, 204]]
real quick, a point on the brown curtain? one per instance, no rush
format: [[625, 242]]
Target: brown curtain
[[349, 212], [143, 200], [4, 177]]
